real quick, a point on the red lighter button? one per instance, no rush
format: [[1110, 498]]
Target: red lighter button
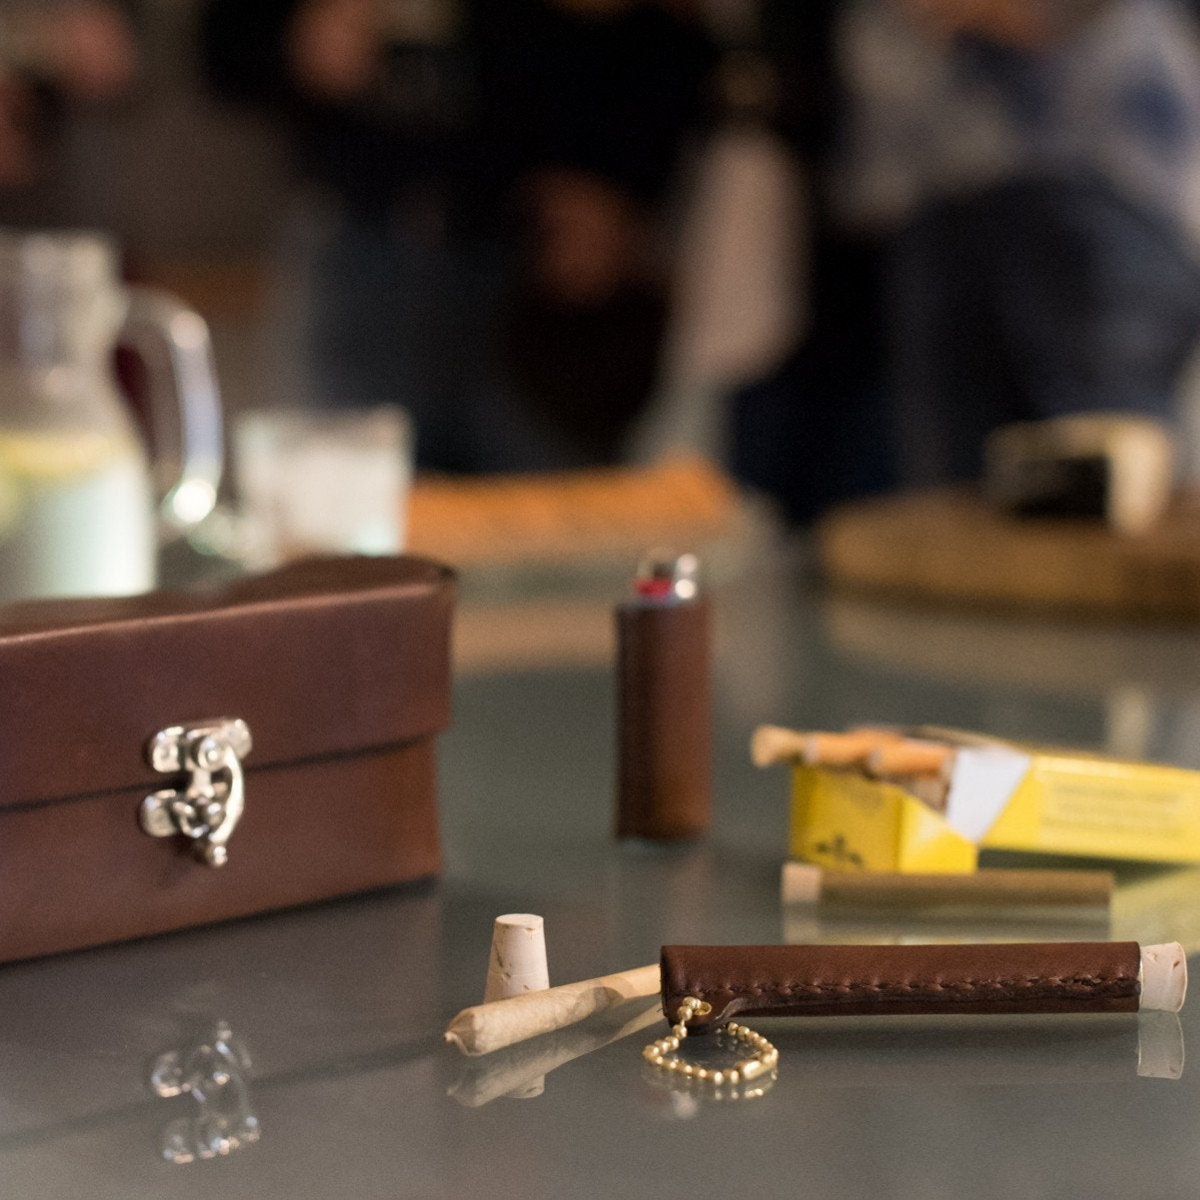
[[659, 588]]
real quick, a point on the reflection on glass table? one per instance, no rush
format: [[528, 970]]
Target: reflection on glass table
[[1143, 675], [212, 1071], [340, 1008]]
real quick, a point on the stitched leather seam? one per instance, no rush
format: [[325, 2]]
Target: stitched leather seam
[[823, 987]]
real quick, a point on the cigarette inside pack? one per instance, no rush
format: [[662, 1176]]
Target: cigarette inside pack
[[921, 766], [928, 799]]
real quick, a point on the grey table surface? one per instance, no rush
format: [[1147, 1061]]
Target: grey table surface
[[299, 1055]]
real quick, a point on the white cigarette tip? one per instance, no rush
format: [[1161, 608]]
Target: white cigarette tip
[[800, 884], [517, 962], [771, 744], [763, 744], [1164, 977], [527, 921]]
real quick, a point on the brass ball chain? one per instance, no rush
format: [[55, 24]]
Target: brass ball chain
[[759, 1066]]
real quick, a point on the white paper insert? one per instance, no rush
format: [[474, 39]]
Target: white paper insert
[[982, 782]]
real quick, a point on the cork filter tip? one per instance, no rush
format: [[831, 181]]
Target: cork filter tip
[[1164, 977], [800, 884], [517, 961]]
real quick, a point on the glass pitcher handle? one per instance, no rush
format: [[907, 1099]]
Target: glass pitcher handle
[[156, 319]]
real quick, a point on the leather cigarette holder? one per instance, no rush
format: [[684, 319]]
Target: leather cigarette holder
[[319, 688], [823, 981]]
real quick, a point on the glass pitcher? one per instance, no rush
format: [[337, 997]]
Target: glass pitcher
[[79, 513]]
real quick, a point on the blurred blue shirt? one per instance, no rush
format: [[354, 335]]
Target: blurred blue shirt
[[1118, 100]]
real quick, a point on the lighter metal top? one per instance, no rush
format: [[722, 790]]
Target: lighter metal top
[[664, 578]]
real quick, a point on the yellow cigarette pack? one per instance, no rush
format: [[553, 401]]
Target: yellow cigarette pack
[[995, 795]]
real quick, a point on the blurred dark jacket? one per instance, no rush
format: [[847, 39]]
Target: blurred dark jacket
[[817, 431], [524, 85], [800, 40], [447, 139]]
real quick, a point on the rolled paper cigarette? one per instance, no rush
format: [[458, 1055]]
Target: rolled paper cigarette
[[804, 884], [529, 1089], [770, 745], [517, 962], [488, 1027], [847, 749], [907, 756], [817, 980], [519, 1069]]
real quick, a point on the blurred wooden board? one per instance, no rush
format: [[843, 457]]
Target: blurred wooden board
[[571, 516], [950, 546], [543, 558]]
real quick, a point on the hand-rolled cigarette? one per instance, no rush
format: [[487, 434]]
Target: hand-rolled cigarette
[[803, 884], [1059, 977], [847, 749], [517, 961], [771, 744], [908, 756], [515, 1070], [488, 1027]]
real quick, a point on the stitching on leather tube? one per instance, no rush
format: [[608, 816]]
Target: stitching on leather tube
[[822, 987]]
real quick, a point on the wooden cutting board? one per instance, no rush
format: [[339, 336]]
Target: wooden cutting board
[[950, 546], [566, 517]]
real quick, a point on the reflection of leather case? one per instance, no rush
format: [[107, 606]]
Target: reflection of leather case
[[339, 670]]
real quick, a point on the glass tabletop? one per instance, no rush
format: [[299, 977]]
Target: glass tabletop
[[300, 1055]]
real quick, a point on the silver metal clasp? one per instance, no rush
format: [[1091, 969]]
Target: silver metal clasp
[[208, 806]]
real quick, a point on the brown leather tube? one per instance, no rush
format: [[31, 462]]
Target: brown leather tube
[[824, 981], [664, 721]]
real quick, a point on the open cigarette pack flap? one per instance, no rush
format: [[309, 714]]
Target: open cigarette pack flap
[[993, 794]]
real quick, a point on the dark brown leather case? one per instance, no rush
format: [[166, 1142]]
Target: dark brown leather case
[[338, 667]]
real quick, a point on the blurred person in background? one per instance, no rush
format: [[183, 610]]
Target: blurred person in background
[[1038, 165], [817, 430], [485, 179], [1005, 222], [56, 56]]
